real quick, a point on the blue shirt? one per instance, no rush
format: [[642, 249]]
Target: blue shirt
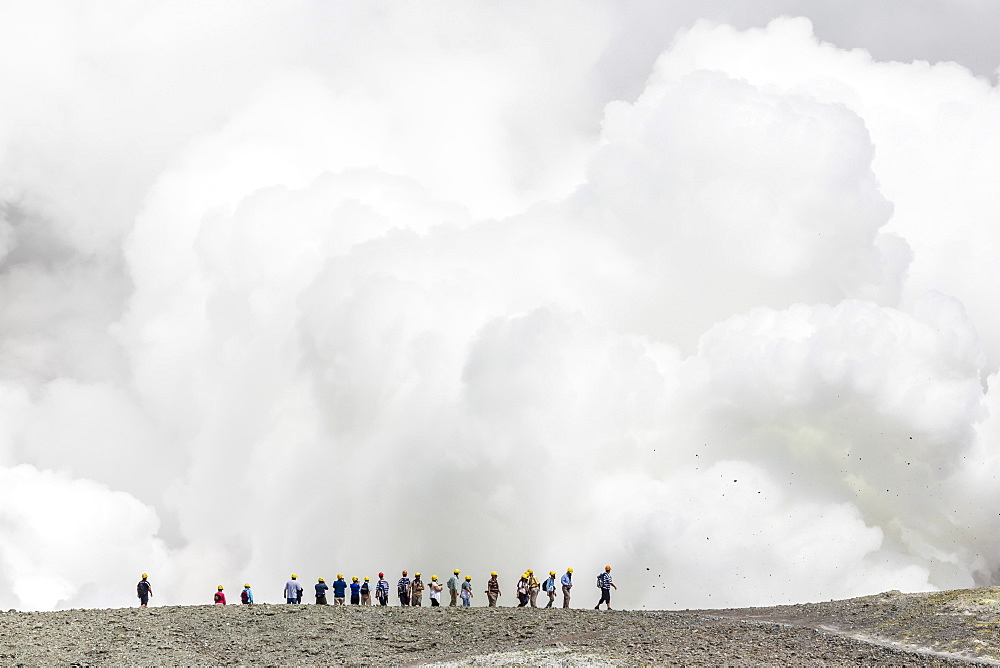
[[567, 579], [403, 585], [321, 588], [550, 584], [339, 587], [355, 589], [605, 579], [249, 595], [382, 587]]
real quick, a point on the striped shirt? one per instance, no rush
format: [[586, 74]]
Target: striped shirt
[[605, 579], [382, 588], [403, 585]]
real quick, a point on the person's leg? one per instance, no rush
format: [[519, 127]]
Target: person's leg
[[566, 589]]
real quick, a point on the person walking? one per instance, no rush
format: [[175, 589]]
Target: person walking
[[246, 596], [604, 583], [550, 588], [355, 591], [220, 596], [339, 589], [293, 590], [522, 591], [567, 585], [467, 592], [436, 588], [453, 588], [493, 590], [366, 593], [417, 591], [321, 589], [403, 590], [382, 590], [533, 587], [143, 590]]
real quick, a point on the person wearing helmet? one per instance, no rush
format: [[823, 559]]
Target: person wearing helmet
[[293, 590], [492, 590], [522, 590], [143, 590], [605, 584], [533, 587], [382, 590], [403, 590], [416, 591], [355, 591], [339, 589], [467, 592], [453, 588], [549, 586], [366, 592], [321, 589], [220, 596], [246, 596], [567, 584], [436, 588]]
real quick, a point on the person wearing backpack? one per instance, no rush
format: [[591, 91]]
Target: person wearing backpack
[[366, 592], [522, 591], [246, 596], [550, 588], [403, 590], [605, 584], [220, 596], [143, 590], [382, 590]]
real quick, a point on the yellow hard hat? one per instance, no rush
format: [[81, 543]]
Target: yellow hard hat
[[366, 578], [525, 576], [340, 576], [144, 576], [457, 571], [220, 587], [294, 576], [354, 579], [552, 572], [434, 577], [416, 575], [607, 568], [493, 573], [530, 571], [321, 580], [247, 585], [569, 570], [468, 577]]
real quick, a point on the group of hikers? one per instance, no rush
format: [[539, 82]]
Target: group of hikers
[[411, 592]]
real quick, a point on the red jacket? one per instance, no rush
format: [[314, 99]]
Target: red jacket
[[220, 597]]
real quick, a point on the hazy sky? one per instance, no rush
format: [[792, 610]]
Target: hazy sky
[[702, 290]]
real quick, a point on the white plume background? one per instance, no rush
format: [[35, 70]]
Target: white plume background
[[324, 288]]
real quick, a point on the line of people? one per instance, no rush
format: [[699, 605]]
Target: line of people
[[410, 592]]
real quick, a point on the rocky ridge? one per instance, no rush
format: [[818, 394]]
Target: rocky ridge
[[937, 629]]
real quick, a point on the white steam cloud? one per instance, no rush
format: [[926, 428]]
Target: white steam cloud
[[415, 290]]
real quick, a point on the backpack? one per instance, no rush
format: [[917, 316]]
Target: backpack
[[142, 587], [364, 588], [600, 581], [245, 596], [218, 597]]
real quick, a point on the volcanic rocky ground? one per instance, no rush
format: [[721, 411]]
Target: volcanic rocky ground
[[936, 629]]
